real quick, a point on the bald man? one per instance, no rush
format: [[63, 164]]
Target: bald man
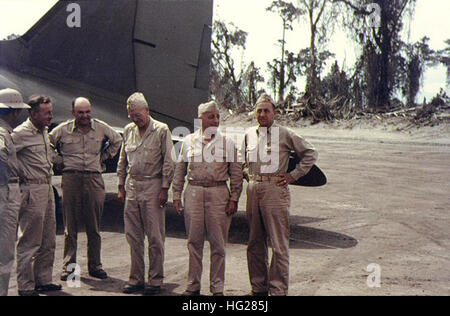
[[80, 144], [145, 171]]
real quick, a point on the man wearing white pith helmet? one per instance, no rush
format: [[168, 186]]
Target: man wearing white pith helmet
[[11, 103]]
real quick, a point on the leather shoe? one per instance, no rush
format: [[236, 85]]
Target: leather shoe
[[191, 293], [258, 294], [99, 274], [218, 294], [152, 290], [28, 293], [64, 275], [130, 289], [48, 287]]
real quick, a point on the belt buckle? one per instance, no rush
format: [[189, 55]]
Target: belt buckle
[[13, 180], [257, 178]]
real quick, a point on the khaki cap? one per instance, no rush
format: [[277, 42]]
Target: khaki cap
[[207, 107], [265, 98], [12, 99], [136, 100]]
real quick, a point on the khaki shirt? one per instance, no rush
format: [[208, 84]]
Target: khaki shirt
[[34, 151], [149, 156], [267, 151], [83, 152], [216, 160], [8, 159]]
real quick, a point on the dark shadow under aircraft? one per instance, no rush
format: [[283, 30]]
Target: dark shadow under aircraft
[[116, 47]]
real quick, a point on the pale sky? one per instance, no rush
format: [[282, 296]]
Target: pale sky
[[264, 30]]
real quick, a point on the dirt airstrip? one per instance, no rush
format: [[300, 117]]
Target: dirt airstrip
[[381, 225]]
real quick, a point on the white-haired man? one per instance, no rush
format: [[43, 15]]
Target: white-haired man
[[209, 160], [145, 171]]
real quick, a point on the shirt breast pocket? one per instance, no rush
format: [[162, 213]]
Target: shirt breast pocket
[[94, 144], [71, 145], [220, 154], [132, 154], [130, 149], [37, 149], [251, 153], [194, 155], [152, 153]]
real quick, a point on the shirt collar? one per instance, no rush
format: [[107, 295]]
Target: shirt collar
[[150, 128], [269, 130], [198, 136], [33, 128], [74, 125], [151, 125]]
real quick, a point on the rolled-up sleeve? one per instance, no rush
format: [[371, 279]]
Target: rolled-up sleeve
[[54, 137], [115, 141], [306, 153]]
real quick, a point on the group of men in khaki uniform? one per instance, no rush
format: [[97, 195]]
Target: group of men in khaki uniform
[[209, 162]]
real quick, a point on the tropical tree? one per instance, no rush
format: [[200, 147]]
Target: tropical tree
[[381, 58], [281, 77], [250, 79], [226, 80], [321, 15], [419, 55]]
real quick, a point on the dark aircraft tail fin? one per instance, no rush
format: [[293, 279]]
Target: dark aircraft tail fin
[[158, 47]]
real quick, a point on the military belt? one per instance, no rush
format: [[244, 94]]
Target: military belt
[[145, 178], [46, 180], [10, 181], [81, 172], [207, 184], [13, 180], [259, 178]]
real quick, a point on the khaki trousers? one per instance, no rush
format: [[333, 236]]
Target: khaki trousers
[[144, 217], [268, 218], [205, 217], [83, 200], [10, 199], [37, 234]]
